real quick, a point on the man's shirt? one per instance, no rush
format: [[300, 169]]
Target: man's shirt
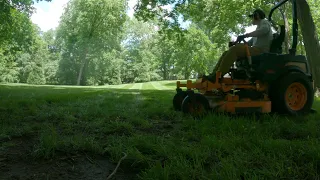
[[262, 36]]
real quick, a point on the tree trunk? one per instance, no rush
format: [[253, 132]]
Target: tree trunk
[[165, 71], [186, 73], [310, 37], [287, 37], [84, 76], [80, 73], [84, 62]]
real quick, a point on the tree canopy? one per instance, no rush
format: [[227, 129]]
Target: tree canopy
[[97, 43]]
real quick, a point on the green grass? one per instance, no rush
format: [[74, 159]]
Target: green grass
[[160, 143]]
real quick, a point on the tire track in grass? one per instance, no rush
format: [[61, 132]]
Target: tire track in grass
[[138, 97]]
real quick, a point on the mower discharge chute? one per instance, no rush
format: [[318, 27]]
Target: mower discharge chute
[[270, 82]]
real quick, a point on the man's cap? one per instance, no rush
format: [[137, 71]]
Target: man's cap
[[258, 11]]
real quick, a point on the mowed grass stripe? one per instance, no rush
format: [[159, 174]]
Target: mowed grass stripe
[[121, 86], [128, 86], [170, 85], [137, 86], [148, 86], [159, 86]]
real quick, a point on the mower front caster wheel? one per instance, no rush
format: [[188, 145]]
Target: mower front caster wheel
[[178, 99], [196, 105]]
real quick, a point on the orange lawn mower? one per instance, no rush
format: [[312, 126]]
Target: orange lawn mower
[[270, 82]]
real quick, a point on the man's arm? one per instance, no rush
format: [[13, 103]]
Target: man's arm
[[263, 29]]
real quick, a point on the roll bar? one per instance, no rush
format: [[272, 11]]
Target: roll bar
[[294, 23]]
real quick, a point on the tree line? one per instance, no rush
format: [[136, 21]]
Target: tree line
[[96, 43]]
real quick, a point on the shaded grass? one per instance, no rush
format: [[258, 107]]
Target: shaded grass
[[160, 143]]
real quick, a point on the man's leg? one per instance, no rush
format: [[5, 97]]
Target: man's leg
[[219, 62], [234, 53], [227, 60], [238, 51], [212, 76], [255, 51]]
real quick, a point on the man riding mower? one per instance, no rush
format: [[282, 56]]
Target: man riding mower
[[260, 43], [263, 80]]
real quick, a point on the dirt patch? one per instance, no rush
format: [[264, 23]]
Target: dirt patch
[[16, 162]]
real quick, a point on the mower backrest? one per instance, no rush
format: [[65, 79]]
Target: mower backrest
[[278, 39]]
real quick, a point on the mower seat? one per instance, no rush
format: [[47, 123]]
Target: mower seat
[[278, 39]]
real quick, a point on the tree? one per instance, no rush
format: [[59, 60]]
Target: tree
[[88, 28], [139, 55], [51, 64], [195, 54], [165, 53], [222, 17], [310, 36], [18, 39], [31, 63], [8, 12], [21, 43]]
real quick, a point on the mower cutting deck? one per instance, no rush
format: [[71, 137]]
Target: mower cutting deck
[[222, 96], [270, 82]]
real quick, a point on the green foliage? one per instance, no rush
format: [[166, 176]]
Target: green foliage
[[196, 53], [216, 18], [106, 69], [31, 63], [22, 51], [13, 16], [36, 76], [140, 60], [8, 68], [97, 44], [87, 30]]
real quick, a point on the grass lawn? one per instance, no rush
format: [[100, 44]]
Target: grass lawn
[[61, 132]]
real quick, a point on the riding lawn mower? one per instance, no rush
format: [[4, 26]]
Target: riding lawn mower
[[269, 82]]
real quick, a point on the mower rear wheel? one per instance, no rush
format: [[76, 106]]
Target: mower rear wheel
[[294, 95], [178, 99], [196, 105]]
